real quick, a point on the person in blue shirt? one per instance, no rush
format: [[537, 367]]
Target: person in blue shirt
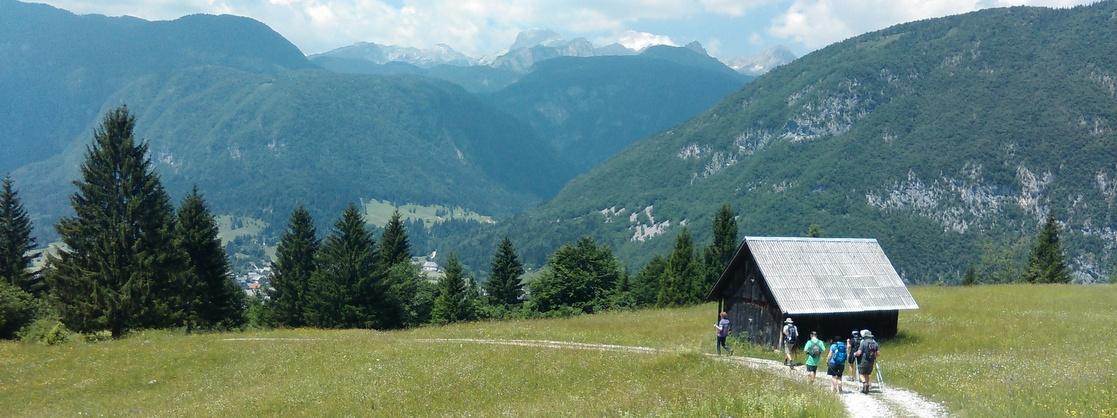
[[835, 363]]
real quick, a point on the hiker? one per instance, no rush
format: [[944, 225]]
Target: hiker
[[869, 352], [790, 338], [835, 362], [852, 344], [814, 349], [723, 331]]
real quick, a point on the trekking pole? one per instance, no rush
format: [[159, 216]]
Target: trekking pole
[[880, 377]]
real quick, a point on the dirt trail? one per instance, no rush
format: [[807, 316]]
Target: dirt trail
[[891, 402]]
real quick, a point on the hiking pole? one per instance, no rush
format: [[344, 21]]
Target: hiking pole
[[880, 377]]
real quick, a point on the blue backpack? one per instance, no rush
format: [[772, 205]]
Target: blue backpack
[[839, 349]]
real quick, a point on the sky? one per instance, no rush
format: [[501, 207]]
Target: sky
[[727, 28]]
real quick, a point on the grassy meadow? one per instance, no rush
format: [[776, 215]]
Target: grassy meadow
[[983, 351]]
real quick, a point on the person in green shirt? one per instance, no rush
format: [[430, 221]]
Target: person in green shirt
[[814, 349]]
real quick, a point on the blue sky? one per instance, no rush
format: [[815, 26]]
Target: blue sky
[[728, 28]]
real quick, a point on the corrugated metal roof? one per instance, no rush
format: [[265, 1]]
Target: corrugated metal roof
[[822, 275]]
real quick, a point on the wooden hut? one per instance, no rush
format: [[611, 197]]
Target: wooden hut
[[829, 285]]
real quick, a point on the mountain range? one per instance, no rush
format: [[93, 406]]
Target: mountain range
[[947, 139]]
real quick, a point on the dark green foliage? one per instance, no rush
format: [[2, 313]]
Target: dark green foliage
[[347, 288], [394, 247], [291, 271], [413, 295], [681, 282], [16, 241], [453, 303], [815, 231], [579, 276], [717, 256], [1047, 263], [645, 287], [17, 309], [970, 278], [122, 269], [503, 286], [622, 298], [212, 298]]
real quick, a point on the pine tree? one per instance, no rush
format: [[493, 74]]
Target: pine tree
[[122, 269], [721, 250], [16, 241], [215, 299], [394, 246], [291, 271], [503, 286], [679, 278], [645, 287], [452, 303], [1047, 263], [346, 290]]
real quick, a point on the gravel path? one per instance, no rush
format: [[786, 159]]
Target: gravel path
[[891, 402]]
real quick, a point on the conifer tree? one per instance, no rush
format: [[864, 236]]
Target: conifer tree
[[1047, 263], [721, 250], [122, 268], [394, 246], [679, 277], [215, 299], [345, 289], [16, 241], [291, 271], [503, 286], [452, 303], [645, 287], [970, 278], [815, 231]]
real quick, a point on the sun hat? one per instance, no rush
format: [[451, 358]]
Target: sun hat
[[788, 321], [867, 334]]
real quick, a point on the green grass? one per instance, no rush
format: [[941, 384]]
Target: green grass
[[378, 212], [1010, 350], [358, 372], [247, 227]]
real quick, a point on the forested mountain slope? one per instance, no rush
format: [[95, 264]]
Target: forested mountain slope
[[948, 139]]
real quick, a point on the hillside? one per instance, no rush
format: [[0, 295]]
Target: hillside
[[947, 139], [58, 68], [591, 108], [259, 144]]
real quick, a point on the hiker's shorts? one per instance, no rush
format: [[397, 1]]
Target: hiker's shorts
[[866, 367], [788, 347], [812, 369], [853, 359], [835, 369]]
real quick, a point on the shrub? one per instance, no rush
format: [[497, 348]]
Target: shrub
[[96, 337], [49, 331], [17, 309]]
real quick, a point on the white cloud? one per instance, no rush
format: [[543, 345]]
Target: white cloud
[[817, 23], [638, 40]]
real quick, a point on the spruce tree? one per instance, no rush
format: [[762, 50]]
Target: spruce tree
[[1047, 263], [452, 303], [346, 290], [645, 287], [216, 299], [394, 246], [970, 278], [503, 286], [815, 231], [16, 241], [721, 250], [291, 271], [121, 268], [679, 278]]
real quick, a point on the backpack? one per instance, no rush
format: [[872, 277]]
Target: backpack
[[724, 331], [792, 334], [873, 348], [839, 349], [814, 350]]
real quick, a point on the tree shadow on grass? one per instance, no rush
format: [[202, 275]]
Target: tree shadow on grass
[[904, 338]]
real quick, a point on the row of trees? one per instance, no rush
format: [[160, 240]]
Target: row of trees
[[131, 260], [1046, 262]]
